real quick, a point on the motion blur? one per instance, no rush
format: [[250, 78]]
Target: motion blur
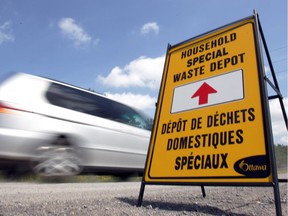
[[55, 129]]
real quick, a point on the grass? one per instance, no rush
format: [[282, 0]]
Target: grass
[[281, 162], [66, 179]]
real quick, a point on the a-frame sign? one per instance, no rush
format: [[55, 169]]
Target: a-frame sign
[[212, 124]]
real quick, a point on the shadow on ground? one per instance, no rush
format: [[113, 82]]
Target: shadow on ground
[[191, 207]]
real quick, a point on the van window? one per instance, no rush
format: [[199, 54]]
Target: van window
[[92, 104]]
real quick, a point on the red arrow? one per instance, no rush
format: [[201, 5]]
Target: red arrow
[[203, 93]]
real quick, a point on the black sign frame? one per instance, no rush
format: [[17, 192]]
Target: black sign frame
[[266, 118]]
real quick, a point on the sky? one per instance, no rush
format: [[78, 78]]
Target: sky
[[118, 48]]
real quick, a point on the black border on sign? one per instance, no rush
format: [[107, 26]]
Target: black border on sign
[[262, 97], [267, 127]]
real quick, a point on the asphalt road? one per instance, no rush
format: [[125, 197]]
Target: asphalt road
[[121, 199]]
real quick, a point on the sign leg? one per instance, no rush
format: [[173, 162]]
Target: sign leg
[[277, 199], [203, 191], [141, 193]]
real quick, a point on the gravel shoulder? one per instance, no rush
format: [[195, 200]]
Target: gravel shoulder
[[121, 199]]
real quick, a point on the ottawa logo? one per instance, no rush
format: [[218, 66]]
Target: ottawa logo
[[253, 167]]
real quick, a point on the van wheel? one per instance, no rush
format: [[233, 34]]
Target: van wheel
[[56, 160]]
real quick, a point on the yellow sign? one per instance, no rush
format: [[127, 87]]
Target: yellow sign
[[209, 120]]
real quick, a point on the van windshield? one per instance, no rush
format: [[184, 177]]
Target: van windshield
[[96, 105]]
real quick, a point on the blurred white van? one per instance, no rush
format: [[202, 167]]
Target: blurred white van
[[56, 129]]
